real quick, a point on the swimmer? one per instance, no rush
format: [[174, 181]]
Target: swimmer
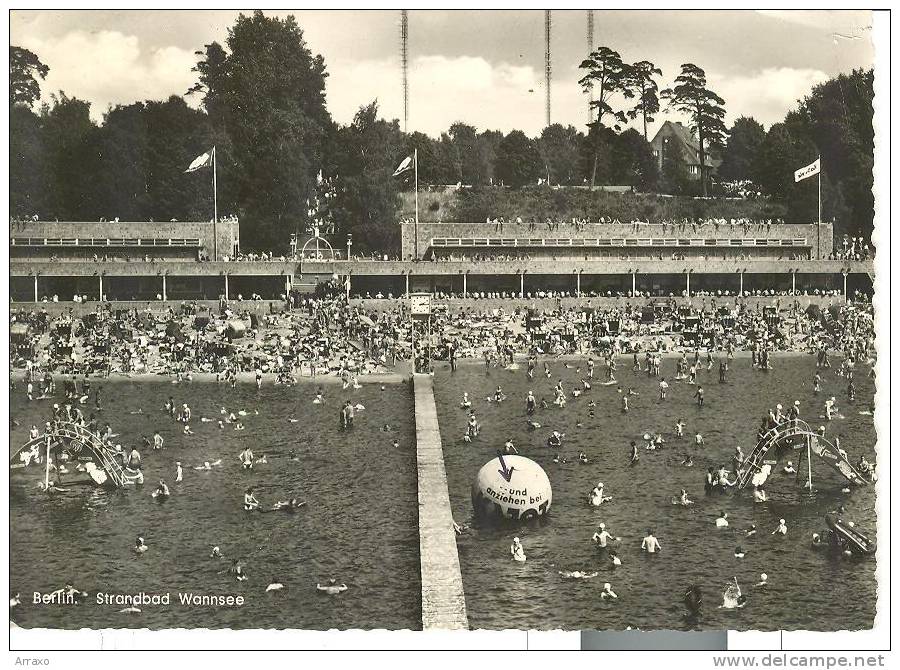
[[781, 529], [187, 430], [139, 546], [817, 540], [602, 537], [239, 426], [663, 388], [789, 468], [679, 428], [261, 460], [517, 551], [607, 592], [179, 475], [532, 425], [731, 597], [650, 544], [332, 588], [288, 505], [596, 497], [216, 553], [688, 461], [466, 403], [250, 501], [582, 457], [614, 558], [763, 580], [577, 574], [246, 458], [320, 398], [459, 529], [386, 428], [15, 601], [698, 440], [162, 491], [237, 570], [722, 520], [751, 531], [509, 447], [395, 444], [739, 552], [682, 499], [274, 585]]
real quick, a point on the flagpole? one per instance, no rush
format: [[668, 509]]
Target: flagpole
[[819, 224], [416, 244], [215, 209]]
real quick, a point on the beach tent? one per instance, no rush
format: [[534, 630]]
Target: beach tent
[[235, 330], [18, 331]]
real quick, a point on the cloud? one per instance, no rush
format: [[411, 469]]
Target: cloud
[[490, 96], [767, 95], [827, 21], [109, 67]]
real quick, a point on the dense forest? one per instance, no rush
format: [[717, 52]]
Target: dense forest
[[283, 162]]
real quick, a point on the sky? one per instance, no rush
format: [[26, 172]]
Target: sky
[[485, 68]]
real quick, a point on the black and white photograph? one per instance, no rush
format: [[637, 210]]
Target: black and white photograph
[[418, 320]]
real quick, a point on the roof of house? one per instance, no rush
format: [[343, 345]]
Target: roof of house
[[689, 143]]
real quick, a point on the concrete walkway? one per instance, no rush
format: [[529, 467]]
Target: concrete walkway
[[443, 599]]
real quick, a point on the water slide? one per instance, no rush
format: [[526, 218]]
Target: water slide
[[795, 434], [853, 539], [82, 445]]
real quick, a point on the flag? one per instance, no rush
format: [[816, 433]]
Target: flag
[[404, 166], [809, 171], [201, 161]]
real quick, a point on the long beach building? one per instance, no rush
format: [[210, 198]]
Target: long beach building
[[125, 261]]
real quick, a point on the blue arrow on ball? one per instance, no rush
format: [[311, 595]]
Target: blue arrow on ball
[[505, 472]]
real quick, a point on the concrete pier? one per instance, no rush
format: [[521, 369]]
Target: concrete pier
[[443, 599]]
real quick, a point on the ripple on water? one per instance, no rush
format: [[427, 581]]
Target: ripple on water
[[808, 589], [359, 524]]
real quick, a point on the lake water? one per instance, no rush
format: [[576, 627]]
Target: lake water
[[359, 525], [360, 522], [809, 588]]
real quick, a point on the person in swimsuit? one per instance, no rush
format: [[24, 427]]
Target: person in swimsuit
[[250, 501]]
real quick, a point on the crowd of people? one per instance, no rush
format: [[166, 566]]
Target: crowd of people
[[311, 336]]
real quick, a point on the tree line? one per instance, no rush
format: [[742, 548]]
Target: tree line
[[262, 104]]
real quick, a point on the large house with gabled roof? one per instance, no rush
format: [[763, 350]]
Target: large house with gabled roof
[[675, 132]]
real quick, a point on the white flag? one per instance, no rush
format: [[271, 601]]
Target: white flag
[[201, 161], [404, 166], [809, 171]]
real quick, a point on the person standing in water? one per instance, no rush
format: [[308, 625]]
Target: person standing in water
[[517, 551], [650, 544], [250, 501]]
